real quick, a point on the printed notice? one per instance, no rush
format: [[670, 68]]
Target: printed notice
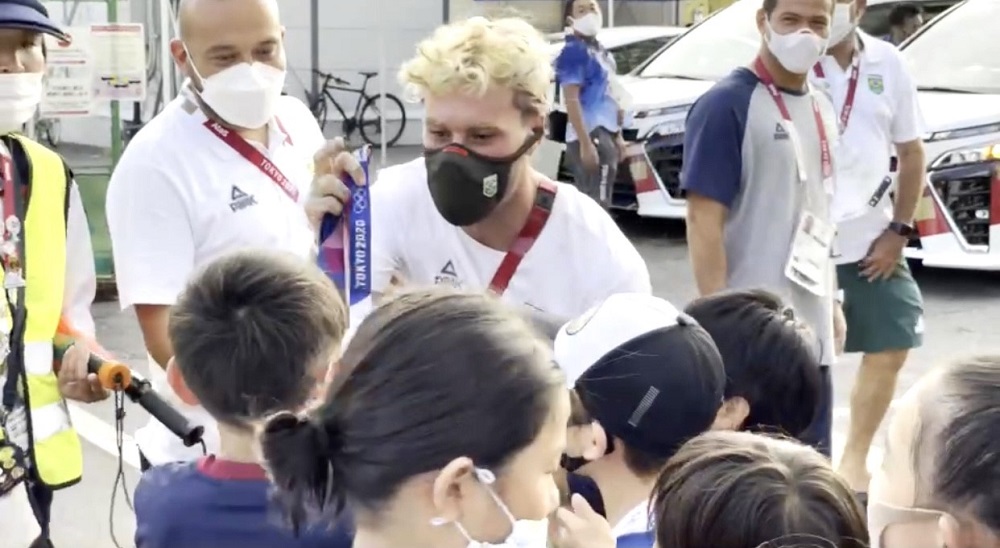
[[68, 89], [119, 53]]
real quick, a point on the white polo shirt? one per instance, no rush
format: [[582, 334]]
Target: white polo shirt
[[885, 113], [181, 197], [580, 257]]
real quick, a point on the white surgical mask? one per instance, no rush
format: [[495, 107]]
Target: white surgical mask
[[881, 515], [841, 25], [524, 533], [20, 94], [796, 51], [243, 95], [589, 24]]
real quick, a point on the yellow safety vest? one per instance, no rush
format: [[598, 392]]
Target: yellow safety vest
[[56, 452]]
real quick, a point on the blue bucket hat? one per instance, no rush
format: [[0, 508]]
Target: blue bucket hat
[[29, 15]]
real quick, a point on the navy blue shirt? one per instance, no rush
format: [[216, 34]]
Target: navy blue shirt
[[217, 504]]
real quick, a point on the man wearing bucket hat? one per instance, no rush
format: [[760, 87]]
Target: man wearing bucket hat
[[48, 277], [644, 379]]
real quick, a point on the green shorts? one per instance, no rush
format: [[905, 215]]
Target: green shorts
[[882, 315]]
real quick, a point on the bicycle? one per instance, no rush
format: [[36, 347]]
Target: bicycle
[[367, 111]]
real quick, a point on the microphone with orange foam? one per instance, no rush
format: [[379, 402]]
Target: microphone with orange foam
[[114, 375]]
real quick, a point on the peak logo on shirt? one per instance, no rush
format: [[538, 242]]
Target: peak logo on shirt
[[780, 133], [240, 200], [448, 276]]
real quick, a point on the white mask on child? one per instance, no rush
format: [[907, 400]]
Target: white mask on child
[[524, 533]]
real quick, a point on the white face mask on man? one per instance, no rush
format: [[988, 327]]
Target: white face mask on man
[[244, 95], [841, 25], [797, 51], [523, 533], [20, 94]]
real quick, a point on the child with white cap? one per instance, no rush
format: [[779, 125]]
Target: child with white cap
[[645, 378]]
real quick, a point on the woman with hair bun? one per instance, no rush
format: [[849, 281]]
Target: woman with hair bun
[[442, 429]]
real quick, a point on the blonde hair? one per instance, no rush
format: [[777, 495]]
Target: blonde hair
[[476, 54]]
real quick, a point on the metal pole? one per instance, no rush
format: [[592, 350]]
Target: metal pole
[[166, 59], [611, 13], [445, 10], [383, 74], [116, 114], [314, 21]]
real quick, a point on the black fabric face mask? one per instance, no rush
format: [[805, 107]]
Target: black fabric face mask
[[467, 186]]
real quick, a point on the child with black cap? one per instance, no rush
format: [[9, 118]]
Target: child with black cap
[[645, 378]]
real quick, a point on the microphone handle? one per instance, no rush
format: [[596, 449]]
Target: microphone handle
[[142, 393]]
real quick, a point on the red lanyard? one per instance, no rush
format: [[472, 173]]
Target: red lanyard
[[255, 157], [852, 88], [539, 215], [824, 144]]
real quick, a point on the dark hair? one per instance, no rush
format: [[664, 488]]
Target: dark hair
[[744, 490], [967, 461], [899, 13], [770, 5], [250, 331], [769, 361], [430, 376]]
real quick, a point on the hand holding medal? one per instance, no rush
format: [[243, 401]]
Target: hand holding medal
[[334, 165]]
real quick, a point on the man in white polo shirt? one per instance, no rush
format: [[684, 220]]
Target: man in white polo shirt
[[876, 101], [225, 166], [472, 212]]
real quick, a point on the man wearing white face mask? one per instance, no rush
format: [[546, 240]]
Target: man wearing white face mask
[[758, 172], [586, 73], [876, 99], [228, 165]]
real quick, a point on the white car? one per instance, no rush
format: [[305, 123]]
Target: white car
[[959, 93], [630, 46]]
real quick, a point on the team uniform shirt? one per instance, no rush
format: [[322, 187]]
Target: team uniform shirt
[[738, 153], [884, 112], [182, 197], [218, 504], [579, 258]]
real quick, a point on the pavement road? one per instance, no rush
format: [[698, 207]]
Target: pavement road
[[960, 307]]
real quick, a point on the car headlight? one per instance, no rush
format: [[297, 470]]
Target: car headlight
[[665, 111], [970, 155], [964, 132]]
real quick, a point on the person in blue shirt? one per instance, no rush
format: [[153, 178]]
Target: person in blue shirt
[[905, 19], [585, 72], [255, 333]]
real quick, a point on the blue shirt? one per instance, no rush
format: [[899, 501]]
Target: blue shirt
[[590, 67], [217, 504]]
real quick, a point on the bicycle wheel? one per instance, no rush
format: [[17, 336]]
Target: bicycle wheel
[[53, 132], [319, 111], [370, 119]]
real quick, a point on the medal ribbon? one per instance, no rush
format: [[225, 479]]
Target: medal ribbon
[[344, 240]]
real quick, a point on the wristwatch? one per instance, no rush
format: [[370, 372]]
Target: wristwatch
[[903, 229]]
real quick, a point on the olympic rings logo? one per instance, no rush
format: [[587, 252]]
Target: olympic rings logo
[[359, 200]]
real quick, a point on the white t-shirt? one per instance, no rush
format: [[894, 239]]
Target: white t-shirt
[[180, 198], [885, 113], [580, 257], [17, 520]]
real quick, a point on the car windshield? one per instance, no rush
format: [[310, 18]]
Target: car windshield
[[949, 54], [711, 50]]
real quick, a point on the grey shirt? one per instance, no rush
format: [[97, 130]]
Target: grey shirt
[[737, 152]]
